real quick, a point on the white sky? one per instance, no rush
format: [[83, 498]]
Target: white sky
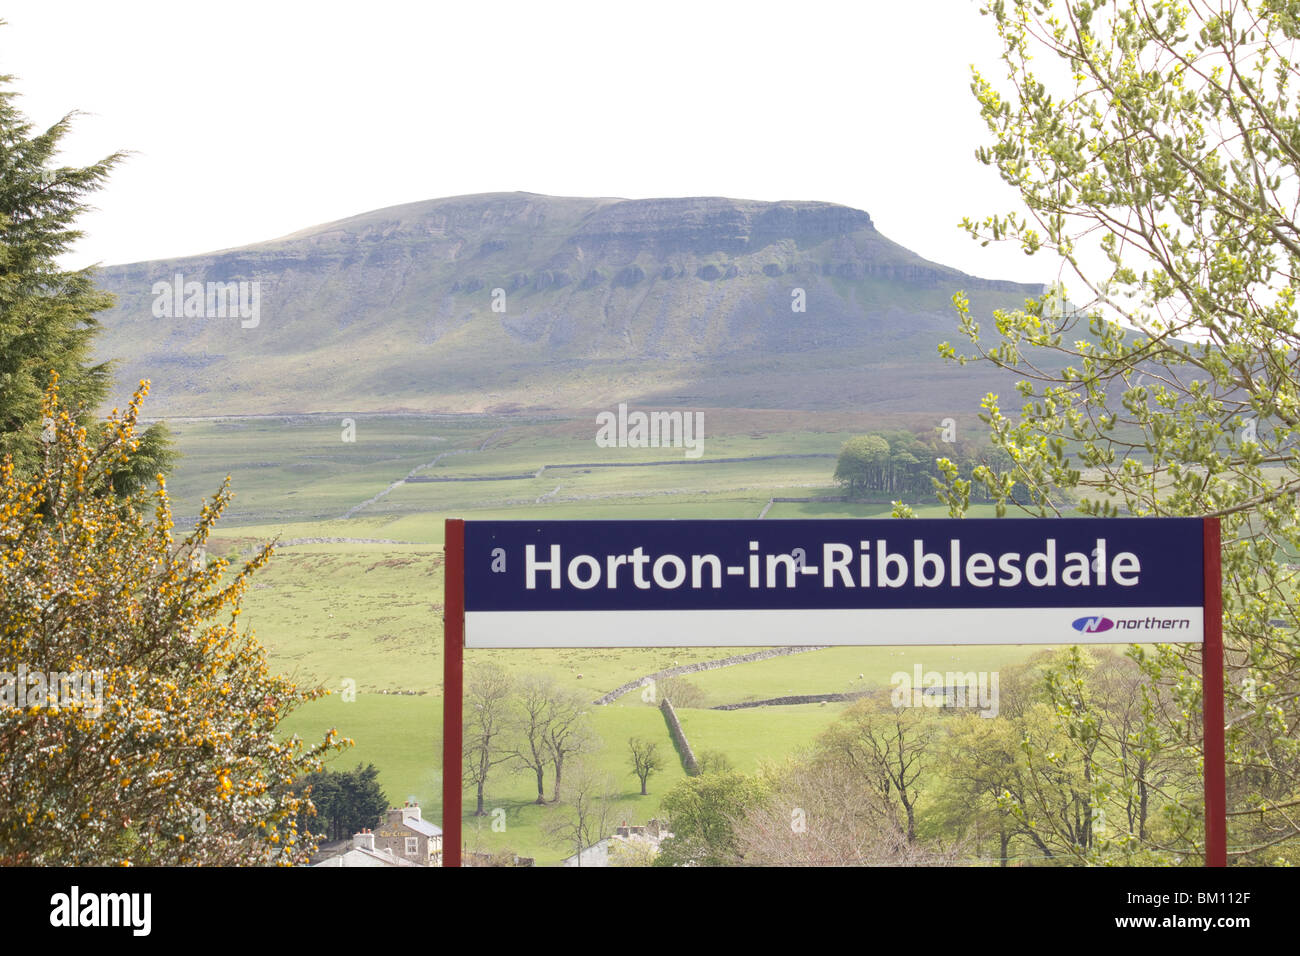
[[250, 120]]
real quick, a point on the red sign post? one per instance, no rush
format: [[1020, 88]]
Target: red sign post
[[1212, 728], [453, 688]]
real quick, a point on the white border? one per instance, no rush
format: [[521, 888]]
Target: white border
[[840, 627]]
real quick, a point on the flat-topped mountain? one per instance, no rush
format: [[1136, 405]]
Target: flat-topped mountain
[[512, 301]]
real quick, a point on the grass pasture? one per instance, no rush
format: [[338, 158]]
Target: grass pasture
[[360, 597]]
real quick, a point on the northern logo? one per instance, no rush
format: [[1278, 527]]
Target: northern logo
[[1092, 625]]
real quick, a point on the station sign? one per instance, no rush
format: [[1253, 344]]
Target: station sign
[[749, 583]]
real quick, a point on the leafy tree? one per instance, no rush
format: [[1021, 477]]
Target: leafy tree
[[1134, 757], [1022, 780], [47, 313], [714, 761], [346, 801], [173, 757], [1161, 141], [982, 772], [1099, 779], [1055, 802], [861, 462], [365, 801], [702, 814], [646, 759], [902, 462], [982, 767]]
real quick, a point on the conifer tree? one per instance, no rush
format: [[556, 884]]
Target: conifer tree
[[47, 312]]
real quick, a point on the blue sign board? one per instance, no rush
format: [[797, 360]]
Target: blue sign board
[[824, 582]]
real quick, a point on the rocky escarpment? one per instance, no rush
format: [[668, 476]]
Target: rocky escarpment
[[527, 301]]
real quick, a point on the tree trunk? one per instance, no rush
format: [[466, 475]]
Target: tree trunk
[[541, 787], [1142, 804], [555, 791]]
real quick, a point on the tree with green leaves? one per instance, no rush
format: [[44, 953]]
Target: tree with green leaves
[[48, 313], [703, 813], [714, 761], [862, 462], [1156, 149], [982, 768], [902, 462], [1099, 784], [346, 802]]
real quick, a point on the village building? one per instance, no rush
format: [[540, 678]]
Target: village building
[[598, 854], [408, 836], [364, 853]]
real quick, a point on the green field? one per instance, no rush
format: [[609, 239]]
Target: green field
[[360, 598]]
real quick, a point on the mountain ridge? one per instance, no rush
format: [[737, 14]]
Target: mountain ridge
[[528, 302]]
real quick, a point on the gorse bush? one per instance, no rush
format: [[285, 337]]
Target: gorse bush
[[172, 757]]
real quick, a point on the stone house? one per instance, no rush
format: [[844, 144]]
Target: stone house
[[407, 836]]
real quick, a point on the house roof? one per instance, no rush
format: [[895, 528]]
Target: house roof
[[595, 851], [423, 827], [359, 856]]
